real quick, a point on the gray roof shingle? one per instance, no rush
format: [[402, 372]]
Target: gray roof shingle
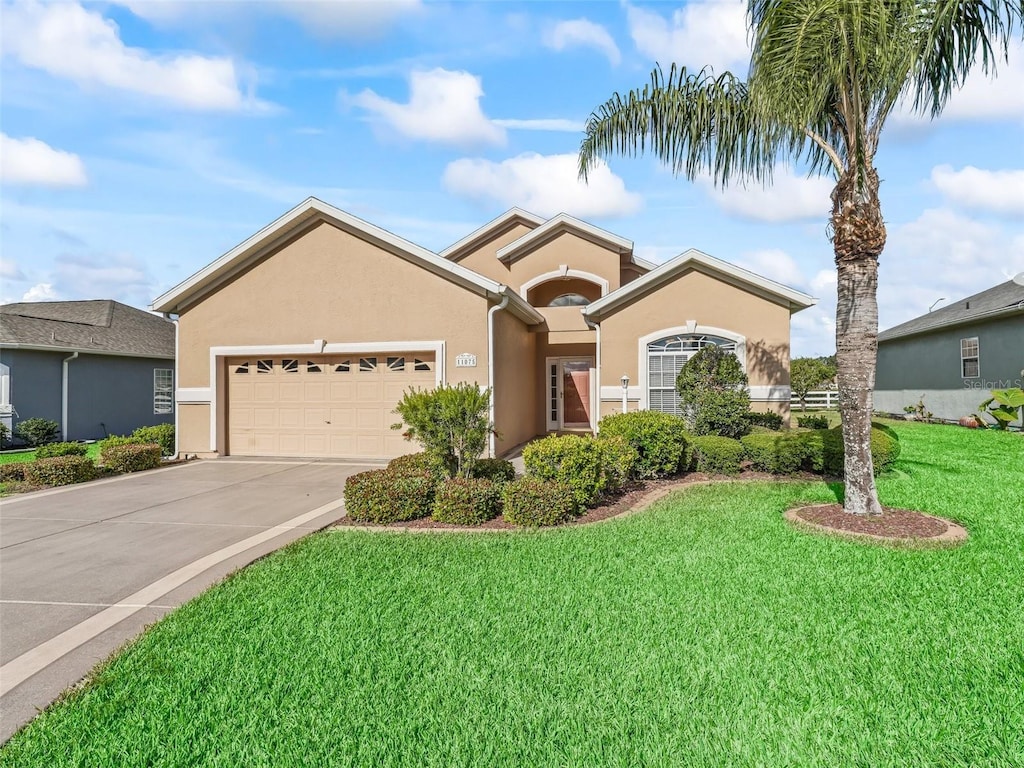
[[98, 326], [1004, 298]]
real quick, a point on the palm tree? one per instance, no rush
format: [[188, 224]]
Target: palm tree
[[824, 76]]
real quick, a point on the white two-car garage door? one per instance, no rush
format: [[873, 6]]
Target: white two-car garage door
[[322, 406]]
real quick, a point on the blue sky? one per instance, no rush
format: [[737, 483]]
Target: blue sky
[[141, 140]]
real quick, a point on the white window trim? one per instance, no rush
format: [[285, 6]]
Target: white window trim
[[977, 343], [691, 327], [208, 395], [554, 426], [563, 272], [169, 391]]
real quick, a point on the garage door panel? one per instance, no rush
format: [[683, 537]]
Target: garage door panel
[[322, 405]]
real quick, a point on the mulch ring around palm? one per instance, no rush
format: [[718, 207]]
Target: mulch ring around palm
[[894, 526]]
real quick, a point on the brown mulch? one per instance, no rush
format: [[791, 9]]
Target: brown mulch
[[893, 525]]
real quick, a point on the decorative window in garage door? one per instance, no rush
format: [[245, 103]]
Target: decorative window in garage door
[[312, 367], [396, 364], [367, 364], [290, 366], [343, 367], [264, 366], [421, 365], [243, 368]]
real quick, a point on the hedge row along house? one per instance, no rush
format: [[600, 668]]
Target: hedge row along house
[[301, 340]]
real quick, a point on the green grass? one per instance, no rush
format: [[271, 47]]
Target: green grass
[[702, 632], [93, 452]]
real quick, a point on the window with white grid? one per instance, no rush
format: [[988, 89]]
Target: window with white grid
[[163, 390], [970, 358], [665, 358]]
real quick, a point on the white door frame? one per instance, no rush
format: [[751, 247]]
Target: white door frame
[[559, 423]]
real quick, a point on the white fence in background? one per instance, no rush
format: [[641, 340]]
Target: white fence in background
[[821, 399]]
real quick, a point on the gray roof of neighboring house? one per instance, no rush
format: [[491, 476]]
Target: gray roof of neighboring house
[[98, 327], [1005, 298]]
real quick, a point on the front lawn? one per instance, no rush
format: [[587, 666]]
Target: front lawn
[[11, 457], [704, 631]]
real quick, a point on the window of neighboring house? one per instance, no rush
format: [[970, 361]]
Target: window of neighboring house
[[970, 358], [569, 300], [665, 358], [163, 390]]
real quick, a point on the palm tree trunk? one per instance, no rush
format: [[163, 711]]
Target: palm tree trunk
[[858, 239]]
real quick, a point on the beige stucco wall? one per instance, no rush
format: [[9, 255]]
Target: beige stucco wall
[[573, 251], [515, 375], [327, 284], [711, 303], [482, 257]]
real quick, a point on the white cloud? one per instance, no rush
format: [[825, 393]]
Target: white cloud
[[68, 41], [711, 32], [789, 198], [970, 187], [9, 270], [543, 124], [444, 106], [547, 184], [32, 162], [582, 33], [775, 264], [348, 19], [41, 292]]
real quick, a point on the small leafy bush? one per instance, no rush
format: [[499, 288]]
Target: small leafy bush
[[713, 393], [717, 455], [824, 449], [450, 422], [5, 435], [161, 434], [13, 472], [60, 470], [49, 450], [812, 422], [389, 496], [618, 462], [660, 440], [133, 457], [529, 501], [573, 460], [37, 431], [771, 420], [417, 463], [115, 440], [778, 453], [467, 501], [496, 470]]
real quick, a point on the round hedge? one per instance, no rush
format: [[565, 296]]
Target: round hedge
[[717, 455], [60, 470], [660, 440], [531, 502], [467, 501], [388, 495]]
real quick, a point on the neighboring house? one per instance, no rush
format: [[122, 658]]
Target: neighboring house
[[954, 357], [94, 367], [300, 341]]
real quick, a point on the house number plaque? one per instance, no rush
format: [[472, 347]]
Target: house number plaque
[[465, 360]]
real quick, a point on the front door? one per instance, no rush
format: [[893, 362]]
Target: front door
[[575, 375]]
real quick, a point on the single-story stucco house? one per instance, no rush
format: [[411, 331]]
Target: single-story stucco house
[[300, 341], [954, 357], [97, 368]]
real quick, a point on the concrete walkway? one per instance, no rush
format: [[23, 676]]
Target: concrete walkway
[[85, 568]]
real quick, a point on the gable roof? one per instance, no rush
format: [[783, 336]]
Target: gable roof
[[553, 227], [694, 259], [97, 327], [310, 212], [491, 229], [1003, 299]]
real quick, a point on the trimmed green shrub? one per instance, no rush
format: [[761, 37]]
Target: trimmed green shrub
[[496, 470], [812, 422], [770, 420], [618, 462], [450, 422], [529, 501], [467, 501], [660, 440], [134, 457], [13, 472], [573, 460], [778, 453], [50, 450], [161, 434], [37, 431], [713, 393], [60, 470], [717, 455], [417, 463], [114, 440], [389, 496], [824, 449]]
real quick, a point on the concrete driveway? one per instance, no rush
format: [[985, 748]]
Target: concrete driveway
[[85, 568]]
